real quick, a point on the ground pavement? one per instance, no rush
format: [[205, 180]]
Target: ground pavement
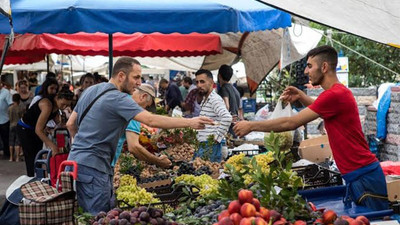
[[9, 172]]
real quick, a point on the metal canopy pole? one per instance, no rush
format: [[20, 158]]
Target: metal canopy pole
[[3, 55], [110, 55]]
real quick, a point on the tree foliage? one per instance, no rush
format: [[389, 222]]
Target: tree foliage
[[362, 72]]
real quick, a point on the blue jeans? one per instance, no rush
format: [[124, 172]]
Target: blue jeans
[[94, 190], [367, 186], [215, 155]]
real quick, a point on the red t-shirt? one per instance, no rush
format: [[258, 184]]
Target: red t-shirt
[[339, 110]]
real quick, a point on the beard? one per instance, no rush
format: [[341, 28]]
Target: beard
[[318, 78], [125, 87]]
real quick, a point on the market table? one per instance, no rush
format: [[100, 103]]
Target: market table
[[332, 198]]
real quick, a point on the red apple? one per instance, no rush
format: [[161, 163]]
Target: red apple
[[256, 203], [234, 207], [248, 210], [223, 214], [236, 218], [245, 196]]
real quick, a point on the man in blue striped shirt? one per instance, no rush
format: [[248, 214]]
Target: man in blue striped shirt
[[212, 106]]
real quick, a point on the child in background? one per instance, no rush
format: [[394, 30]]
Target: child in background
[[15, 112]]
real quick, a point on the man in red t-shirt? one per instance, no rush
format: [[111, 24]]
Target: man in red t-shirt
[[338, 108]]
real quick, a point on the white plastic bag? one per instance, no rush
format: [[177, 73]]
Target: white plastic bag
[[285, 138], [262, 114]]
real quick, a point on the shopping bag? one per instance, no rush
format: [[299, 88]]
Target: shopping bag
[[285, 138], [262, 114]]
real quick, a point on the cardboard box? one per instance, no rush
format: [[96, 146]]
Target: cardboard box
[[316, 149], [393, 187]]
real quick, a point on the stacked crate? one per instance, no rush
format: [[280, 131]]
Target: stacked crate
[[392, 143]]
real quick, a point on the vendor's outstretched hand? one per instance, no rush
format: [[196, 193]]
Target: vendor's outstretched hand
[[291, 94], [201, 122], [242, 128], [164, 162]]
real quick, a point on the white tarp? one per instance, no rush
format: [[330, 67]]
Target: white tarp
[[261, 51], [5, 7], [378, 20]]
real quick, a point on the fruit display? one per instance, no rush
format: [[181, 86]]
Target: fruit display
[[180, 152], [199, 212], [129, 194], [141, 215], [172, 137], [205, 183], [199, 163], [246, 210]]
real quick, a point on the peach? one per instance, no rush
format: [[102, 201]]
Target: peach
[[234, 207], [256, 203], [299, 222], [248, 210], [274, 215], [225, 221], [363, 219], [260, 221], [236, 218], [223, 214], [265, 213], [245, 196], [328, 217]]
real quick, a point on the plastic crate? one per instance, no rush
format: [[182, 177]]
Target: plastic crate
[[249, 105], [315, 176]]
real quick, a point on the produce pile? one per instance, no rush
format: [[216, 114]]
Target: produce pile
[[172, 137], [206, 184], [247, 210], [180, 152], [141, 215], [129, 194]]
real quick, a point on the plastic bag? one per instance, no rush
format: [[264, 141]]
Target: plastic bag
[[262, 114], [285, 138]]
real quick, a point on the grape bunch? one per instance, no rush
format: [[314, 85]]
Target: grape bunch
[[205, 183], [135, 172], [141, 215], [210, 211], [129, 194], [203, 170], [186, 168], [154, 178]]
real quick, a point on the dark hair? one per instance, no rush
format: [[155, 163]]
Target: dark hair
[[206, 72], [226, 72], [46, 84], [163, 81], [16, 98], [22, 82], [65, 94], [188, 80], [125, 65], [64, 87], [325, 53], [88, 75], [50, 75]]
